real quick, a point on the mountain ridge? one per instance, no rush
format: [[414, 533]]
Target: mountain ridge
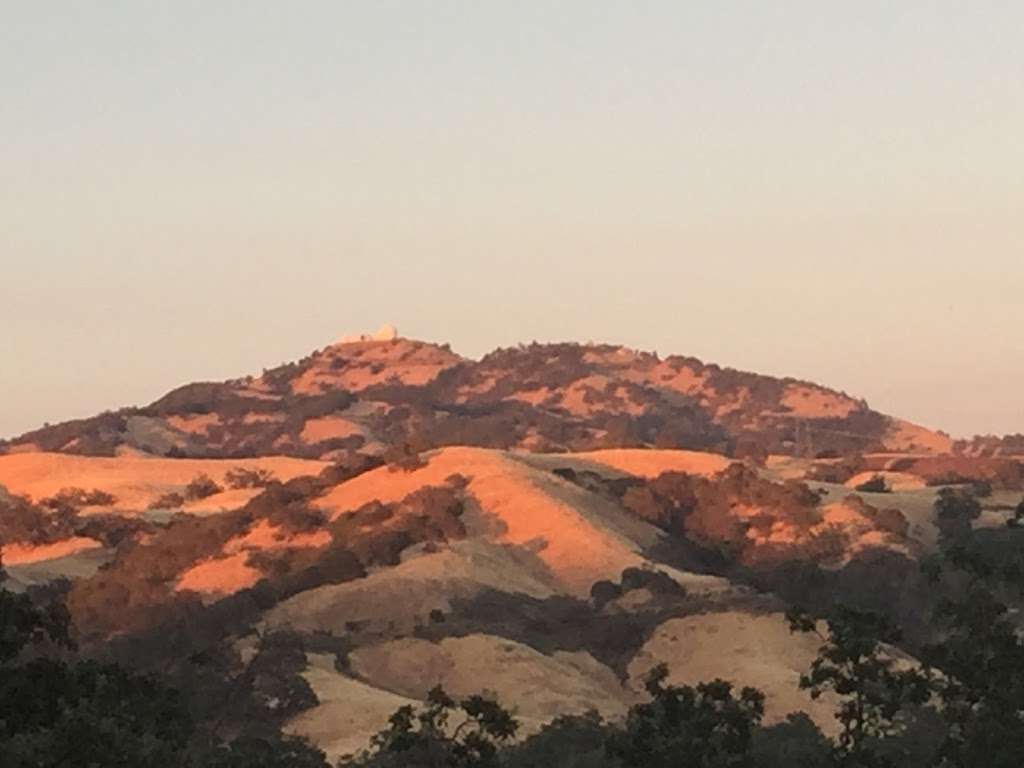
[[370, 396]]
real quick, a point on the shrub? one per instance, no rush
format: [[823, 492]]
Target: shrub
[[241, 477], [202, 486], [981, 489], [955, 510], [569, 741], [21, 521], [876, 484], [655, 581], [949, 478], [892, 521], [168, 501], [836, 472], [76, 498], [603, 592]]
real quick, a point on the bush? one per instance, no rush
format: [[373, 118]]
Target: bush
[[949, 478], [955, 510], [603, 592], [876, 484], [76, 498], [795, 742], [981, 489], [569, 741], [892, 521], [240, 477], [21, 521], [168, 501], [658, 582], [201, 487]]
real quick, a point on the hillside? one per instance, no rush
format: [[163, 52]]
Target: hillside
[[547, 524], [370, 397], [573, 574]]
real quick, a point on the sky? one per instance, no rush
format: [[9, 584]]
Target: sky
[[199, 190]]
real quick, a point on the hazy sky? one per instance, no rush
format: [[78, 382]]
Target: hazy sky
[[198, 190]]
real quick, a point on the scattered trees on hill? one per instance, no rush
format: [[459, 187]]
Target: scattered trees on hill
[[59, 709], [22, 521], [74, 499], [961, 704], [960, 707]]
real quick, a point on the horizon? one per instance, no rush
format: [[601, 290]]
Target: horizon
[[819, 193]]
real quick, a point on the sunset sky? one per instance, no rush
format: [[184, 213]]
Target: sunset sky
[[199, 190]]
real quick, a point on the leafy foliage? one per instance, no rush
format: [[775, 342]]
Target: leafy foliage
[[980, 659], [795, 743], [569, 741], [254, 752], [876, 484], [240, 477], [707, 723], [57, 709], [430, 737], [873, 690], [52, 709], [955, 510], [201, 487]]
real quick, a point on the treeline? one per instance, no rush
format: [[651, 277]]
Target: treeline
[[958, 704], [949, 694]]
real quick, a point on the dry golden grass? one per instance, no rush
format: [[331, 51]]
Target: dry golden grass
[[219, 576], [401, 598], [579, 536], [136, 482], [745, 649], [367, 363], [816, 403], [24, 554], [349, 712], [328, 428], [641, 462], [906, 437], [540, 687]]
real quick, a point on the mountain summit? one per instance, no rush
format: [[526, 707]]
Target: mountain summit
[[365, 395]]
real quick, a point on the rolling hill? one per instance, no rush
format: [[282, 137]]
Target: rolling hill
[[546, 524], [371, 396]]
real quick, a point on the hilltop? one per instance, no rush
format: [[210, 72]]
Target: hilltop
[[368, 396]]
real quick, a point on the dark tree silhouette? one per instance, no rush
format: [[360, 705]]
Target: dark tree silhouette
[[58, 710], [703, 726], [980, 659], [442, 734], [874, 691]]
